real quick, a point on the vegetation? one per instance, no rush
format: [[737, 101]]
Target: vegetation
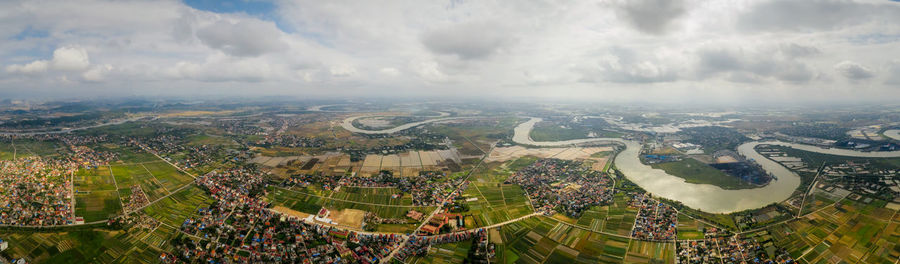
[[694, 171], [714, 138]]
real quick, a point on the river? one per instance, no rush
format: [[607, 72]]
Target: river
[[705, 197]]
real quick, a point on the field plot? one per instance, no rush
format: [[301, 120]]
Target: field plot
[[29, 147], [620, 216], [170, 177], [853, 232], [96, 197], [650, 252], [81, 245], [496, 203], [136, 174], [7, 150], [310, 200], [688, 228], [545, 240], [446, 253], [176, 208], [128, 154], [593, 218], [373, 195]]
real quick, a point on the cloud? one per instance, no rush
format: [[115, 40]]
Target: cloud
[[342, 70], [804, 15], [651, 16], [623, 49], [853, 71], [469, 40], [893, 70], [64, 59], [794, 50], [70, 59], [39, 66], [97, 73], [245, 38], [622, 65], [752, 65]]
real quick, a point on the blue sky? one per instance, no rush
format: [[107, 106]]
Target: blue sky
[[261, 9]]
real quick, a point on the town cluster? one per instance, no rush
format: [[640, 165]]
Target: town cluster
[[562, 185]]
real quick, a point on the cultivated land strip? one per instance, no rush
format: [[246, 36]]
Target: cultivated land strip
[[349, 201]]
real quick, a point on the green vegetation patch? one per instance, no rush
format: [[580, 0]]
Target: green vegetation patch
[[694, 171]]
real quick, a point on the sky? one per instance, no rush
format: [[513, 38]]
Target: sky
[[671, 51]]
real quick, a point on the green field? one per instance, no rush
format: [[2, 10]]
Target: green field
[[306, 200], [178, 207], [95, 195], [550, 132], [694, 171], [7, 150], [81, 245]]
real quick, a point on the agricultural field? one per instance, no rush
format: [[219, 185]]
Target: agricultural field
[[81, 245], [850, 231], [620, 216], [496, 202], [179, 206], [446, 253], [310, 200], [30, 147], [156, 179], [546, 240], [7, 150], [689, 229], [96, 196], [650, 252]]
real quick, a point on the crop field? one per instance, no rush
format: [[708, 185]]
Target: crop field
[[310, 200], [496, 202], [7, 150], [81, 245], [650, 252], [545, 240], [593, 218], [170, 177], [128, 154], [95, 195], [446, 253], [855, 232], [29, 147], [373, 195], [135, 174], [178, 207], [620, 216], [688, 228]]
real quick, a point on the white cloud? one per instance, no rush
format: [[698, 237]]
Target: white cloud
[[64, 59], [247, 37]]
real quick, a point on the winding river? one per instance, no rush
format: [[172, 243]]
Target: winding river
[[348, 124], [705, 197]]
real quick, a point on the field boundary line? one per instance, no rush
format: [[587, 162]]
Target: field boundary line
[[111, 174]]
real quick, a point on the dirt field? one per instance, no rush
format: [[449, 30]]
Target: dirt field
[[290, 212], [514, 152], [348, 217]]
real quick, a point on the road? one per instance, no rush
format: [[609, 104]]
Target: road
[[457, 189]]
